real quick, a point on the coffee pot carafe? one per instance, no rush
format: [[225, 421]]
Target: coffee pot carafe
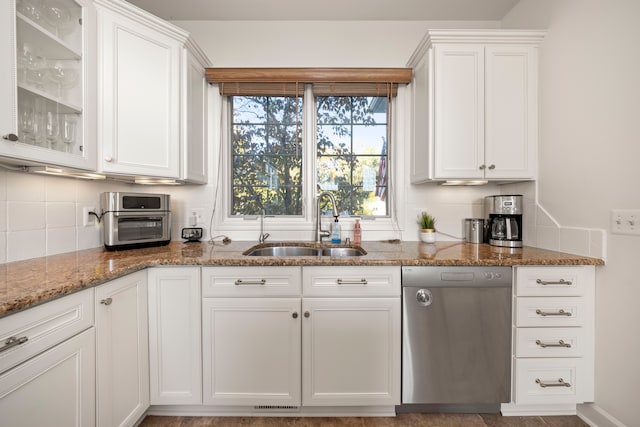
[[503, 224]]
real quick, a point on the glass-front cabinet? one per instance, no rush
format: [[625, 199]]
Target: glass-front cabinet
[[47, 110]]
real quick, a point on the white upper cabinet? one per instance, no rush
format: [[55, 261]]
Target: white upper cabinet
[[474, 96], [152, 96], [47, 83]]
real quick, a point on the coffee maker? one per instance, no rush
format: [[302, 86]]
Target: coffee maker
[[503, 220]]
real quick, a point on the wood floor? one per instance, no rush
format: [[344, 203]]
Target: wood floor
[[404, 420]]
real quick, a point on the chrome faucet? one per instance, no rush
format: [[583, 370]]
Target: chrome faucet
[[263, 236], [320, 233]]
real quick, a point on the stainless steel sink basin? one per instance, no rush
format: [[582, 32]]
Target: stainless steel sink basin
[[297, 250], [342, 252]]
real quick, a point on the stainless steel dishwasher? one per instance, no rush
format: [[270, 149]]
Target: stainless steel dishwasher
[[456, 337]]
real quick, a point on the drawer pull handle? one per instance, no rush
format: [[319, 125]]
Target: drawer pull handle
[[240, 282], [106, 301], [560, 383], [559, 282], [560, 343], [560, 312], [13, 342], [352, 282]]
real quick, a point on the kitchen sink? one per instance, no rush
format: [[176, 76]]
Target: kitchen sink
[[281, 250]]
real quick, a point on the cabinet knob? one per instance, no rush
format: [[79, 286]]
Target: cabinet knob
[[492, 167], [294, 315], [108, 159], [10, 137], [307, 314], [482, 167], [106, 301]]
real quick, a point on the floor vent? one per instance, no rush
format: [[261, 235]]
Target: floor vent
[[282, 408]]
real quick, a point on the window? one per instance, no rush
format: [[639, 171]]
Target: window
[[266, 155], [352, 152], [295, 131], [267, 161]]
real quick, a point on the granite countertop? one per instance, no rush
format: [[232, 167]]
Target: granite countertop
[[24, 284]]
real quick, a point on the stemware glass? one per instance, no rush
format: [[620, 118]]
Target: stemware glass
[[62, 76], [26, 124], [52, 129], [69, 125]]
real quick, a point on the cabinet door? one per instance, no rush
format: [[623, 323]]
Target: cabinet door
[[139, 97], [351, 351], [55, 388], [46, 84], [175, 356], [511, 112], [194, 115], [251, 351], [459, 111], [122, 350]]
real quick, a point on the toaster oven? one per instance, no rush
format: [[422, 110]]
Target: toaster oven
[[133, 220]]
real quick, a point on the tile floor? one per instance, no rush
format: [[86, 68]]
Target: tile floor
[[408, 420]]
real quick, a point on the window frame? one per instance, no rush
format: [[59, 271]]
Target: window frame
[[303, 227]]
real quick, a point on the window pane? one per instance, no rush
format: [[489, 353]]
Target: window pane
[[352, 153], [266, 156]]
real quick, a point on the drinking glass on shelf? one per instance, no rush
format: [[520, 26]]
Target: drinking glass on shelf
[[26, 124], [62, 76], [38, 128], [69, 126], [52, 129], [36, 71]]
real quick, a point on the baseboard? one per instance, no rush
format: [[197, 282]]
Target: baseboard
[[595, 416], [513, 410]]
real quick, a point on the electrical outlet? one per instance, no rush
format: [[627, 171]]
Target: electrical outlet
[[625, 221], [88, 220]]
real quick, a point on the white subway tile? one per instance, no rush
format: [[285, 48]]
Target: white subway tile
[[3, 247], [3, 216], [23, 216], [548, 238], [61, 240], [575, 240], [61, 215], [25, 244], [598, 244], [3, 184], [61, 189], [25, 187], [89, 237]]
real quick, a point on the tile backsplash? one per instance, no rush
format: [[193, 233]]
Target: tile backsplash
[[41, 215]]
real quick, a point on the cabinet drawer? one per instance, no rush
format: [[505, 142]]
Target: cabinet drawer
[[250, 281], [550, 381], [351, 281], [44, 326], [551, 342], [540, 311], [554, 281]]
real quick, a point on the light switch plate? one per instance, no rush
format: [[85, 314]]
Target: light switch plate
[[625, 221]]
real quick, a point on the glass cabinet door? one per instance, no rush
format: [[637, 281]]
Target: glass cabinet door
[[53, 115]]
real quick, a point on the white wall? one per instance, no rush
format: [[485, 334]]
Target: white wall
[[589, 151]]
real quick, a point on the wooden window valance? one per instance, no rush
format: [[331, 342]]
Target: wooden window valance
[[291, 81]]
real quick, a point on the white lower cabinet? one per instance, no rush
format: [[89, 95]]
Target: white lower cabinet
[[265, 346], [351, 351], [251, 336], [553, 363], [47, 364], [252, 351], [122, 360], [175, 351]]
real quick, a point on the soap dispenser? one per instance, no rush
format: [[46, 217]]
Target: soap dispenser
[[335, 232]]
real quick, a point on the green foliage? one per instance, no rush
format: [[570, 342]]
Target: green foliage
[[426, 221], [267, 154]]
